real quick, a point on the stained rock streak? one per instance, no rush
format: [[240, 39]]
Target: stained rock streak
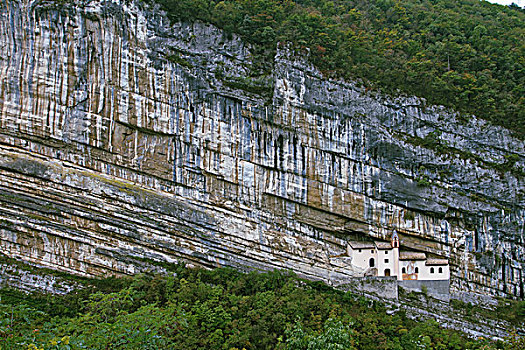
[[124, 142]]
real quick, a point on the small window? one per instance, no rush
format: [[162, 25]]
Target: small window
[[386, 251], [404, 270], [372, 251], [359, 250], [386, 261], [440, 270], [417, 269], [372, 262], [431, 270]]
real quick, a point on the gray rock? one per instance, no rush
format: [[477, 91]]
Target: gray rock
[[126, 140]]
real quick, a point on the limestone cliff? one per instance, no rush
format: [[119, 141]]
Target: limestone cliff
[[126, 140]]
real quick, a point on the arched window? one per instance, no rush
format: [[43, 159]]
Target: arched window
[[440, 270], [404, 270], [387, 272], [417, 269], [431, 270], [372, 262]]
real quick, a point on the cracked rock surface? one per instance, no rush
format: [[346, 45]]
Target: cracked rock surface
[[126, 140]]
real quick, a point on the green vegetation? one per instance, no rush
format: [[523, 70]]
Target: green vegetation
[[175, 58], [257, 86], [469, 55], [512, 311], [433, 142], [218, 309]]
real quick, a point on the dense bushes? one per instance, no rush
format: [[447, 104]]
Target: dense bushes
[[219, 309], [469, 54]]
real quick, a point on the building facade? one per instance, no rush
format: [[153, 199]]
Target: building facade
[[387, 259]]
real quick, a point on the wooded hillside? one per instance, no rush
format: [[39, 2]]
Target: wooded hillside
[[221, 309], [469, 55]]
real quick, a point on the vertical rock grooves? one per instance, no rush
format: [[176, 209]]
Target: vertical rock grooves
[[126, 140]]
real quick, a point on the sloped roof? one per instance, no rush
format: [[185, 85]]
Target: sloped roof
[[383, 245], [434, 261], [412, 256], [361, 244], [394, 235]]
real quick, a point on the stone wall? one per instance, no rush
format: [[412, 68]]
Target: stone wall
[[382, 287], [435, 289], [126, 140]]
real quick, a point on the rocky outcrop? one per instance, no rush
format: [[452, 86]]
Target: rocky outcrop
[[13, 276], [127, 141]]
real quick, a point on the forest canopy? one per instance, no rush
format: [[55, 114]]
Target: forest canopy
[[468, 55], [222, 309]]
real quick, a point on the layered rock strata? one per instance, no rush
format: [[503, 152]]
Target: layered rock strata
[[13, 276], [126, 140]]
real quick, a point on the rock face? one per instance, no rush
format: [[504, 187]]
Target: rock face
[[12, 276], [126, 141]]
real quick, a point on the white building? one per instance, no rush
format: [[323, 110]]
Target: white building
[[363, 254], [385, 259]]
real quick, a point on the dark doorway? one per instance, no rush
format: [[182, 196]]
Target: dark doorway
[[372, 262], [387, 272]]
